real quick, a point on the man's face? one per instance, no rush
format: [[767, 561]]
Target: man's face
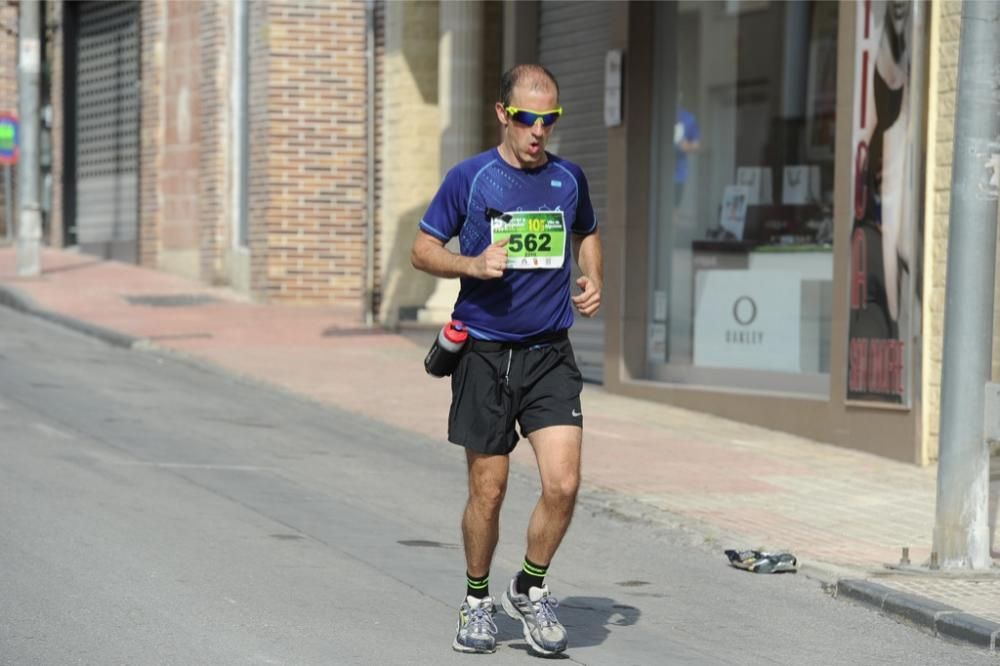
[[898, 12], [526, 143]]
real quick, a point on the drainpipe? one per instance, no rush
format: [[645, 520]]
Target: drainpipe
[[369, 297], [29, 228], [240, 93]]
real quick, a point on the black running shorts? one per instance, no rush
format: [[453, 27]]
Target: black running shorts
[[534, 384]]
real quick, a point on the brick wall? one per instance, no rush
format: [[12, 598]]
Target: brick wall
[[8, 83], [308, 91], [945, 79], [152, 16]]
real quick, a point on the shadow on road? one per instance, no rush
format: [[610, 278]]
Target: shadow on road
[[588, 620]]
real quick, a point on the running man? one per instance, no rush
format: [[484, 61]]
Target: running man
[[518, 211]]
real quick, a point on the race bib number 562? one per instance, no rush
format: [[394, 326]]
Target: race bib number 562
[[537, 238]]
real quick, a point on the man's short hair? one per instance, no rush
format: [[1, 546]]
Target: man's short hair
[[536, 74]]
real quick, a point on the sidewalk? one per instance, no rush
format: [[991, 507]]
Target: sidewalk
[[844, 514]]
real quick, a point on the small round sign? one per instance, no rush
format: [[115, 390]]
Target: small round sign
[[9, 138], [744, 310]]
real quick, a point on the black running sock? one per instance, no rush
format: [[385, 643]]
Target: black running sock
[[478, 588], [531, 575]]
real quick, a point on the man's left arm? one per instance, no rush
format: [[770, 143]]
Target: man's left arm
[[590, 258]]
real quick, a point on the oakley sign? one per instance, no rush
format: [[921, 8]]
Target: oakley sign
[[744, 310], [748, 319]]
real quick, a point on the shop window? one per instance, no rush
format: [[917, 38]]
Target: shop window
[[742, 194]]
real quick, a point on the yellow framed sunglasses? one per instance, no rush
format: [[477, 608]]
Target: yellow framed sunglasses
[[529, 117]]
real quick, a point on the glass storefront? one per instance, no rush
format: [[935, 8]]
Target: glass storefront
[[741, 250]]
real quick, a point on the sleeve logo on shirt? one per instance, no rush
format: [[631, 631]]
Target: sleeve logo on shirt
[[555, 183]]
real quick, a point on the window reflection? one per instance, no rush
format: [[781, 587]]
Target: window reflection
[[742, 254]]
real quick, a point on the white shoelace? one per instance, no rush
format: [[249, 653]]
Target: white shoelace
[[544, 611], [481, 620]]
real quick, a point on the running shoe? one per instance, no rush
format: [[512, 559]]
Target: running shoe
[[476, 628], [536, 611]]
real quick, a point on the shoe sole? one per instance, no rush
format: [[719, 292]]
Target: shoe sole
[[458, 647], [514, 614]]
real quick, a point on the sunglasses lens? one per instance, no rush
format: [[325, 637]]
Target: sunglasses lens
[[529, 118], [525, 117]]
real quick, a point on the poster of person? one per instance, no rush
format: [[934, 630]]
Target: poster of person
[[886, 235], [733, 215]]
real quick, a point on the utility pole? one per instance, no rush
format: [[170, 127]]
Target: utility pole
[[961, 531], [29, 65]]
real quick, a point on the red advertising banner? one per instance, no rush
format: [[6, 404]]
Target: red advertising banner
[[886, 238]]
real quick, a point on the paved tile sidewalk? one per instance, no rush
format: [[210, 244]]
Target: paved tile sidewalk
[[845, 514]]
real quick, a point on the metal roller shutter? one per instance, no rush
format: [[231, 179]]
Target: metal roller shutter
[[107, 129], [572, 43]]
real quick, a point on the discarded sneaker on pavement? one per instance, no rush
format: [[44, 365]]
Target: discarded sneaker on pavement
[[759, 561]]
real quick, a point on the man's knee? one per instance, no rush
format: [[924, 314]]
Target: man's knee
[[487, 495], [562, 490]]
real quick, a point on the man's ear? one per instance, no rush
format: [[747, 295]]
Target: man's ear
[[501, 113]]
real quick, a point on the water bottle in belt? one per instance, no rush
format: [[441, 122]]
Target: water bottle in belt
[[442, 358]]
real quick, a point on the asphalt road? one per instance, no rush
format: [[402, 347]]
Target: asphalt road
[[156, 512]]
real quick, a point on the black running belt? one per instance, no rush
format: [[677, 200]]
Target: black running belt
[[504, 345]]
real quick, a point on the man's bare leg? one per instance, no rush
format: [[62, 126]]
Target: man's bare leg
[[558, 452], [481, 520]]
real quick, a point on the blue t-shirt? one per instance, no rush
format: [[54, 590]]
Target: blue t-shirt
[[690, 132], [523, 303]]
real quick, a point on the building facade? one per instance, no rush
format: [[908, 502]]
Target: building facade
[[772, 182], [224, 141], [771, 178]]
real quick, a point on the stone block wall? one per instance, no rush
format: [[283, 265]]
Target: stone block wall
[[410, 150], [943, 88]]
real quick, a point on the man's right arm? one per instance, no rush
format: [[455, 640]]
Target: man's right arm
[[431, 256]]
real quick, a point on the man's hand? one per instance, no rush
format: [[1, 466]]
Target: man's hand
[[491, 263], [588, 301]]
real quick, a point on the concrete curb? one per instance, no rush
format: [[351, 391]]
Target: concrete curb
[[17, 300], [938, 618]]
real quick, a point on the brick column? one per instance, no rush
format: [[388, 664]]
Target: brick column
[[152, 19], [180, 170], [308, 80], [214, 17]]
